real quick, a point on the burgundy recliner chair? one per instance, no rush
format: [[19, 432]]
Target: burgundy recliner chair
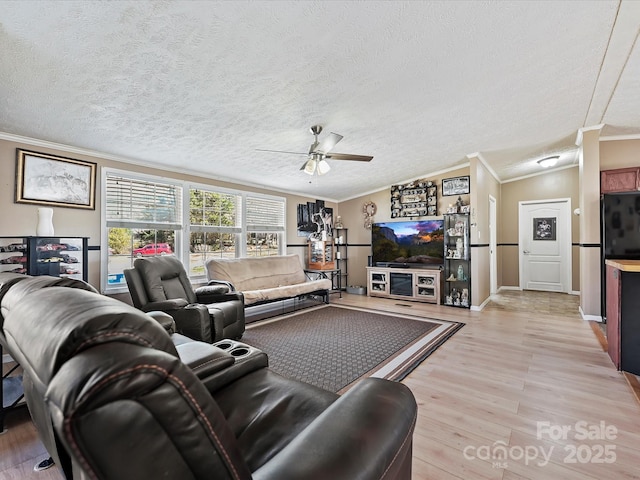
[[126, 407]]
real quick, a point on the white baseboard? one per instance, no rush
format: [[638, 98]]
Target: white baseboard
[[506, 287], [595, 318], [478, 308], [6, 358], [574, 292]]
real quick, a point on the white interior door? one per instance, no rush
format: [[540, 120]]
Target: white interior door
[[493, 245], [545, 245]]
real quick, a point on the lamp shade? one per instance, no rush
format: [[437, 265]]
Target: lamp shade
[[323, 167], [310, 167]]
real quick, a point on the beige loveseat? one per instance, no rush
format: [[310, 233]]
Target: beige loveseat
[[267, 279]]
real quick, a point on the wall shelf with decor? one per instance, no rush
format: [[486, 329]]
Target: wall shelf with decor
[[416, 199], [457, 260], [54, 256]]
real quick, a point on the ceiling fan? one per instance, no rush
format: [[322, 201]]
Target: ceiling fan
[[319, 152]]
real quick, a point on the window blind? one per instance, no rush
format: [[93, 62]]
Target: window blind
[[265, 214], [139, 203]]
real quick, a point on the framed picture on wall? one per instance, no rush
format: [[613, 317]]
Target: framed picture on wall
[[52, 180], [544, 228], [455, 186]]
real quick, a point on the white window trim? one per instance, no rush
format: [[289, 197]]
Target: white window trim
[[183, 233], [104, 230], [241, 247]]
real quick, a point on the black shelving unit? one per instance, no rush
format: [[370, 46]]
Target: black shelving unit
[[340, 238], [457, 261]]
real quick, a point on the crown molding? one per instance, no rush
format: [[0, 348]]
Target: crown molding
[[587, 129], [565, 167], [432, 174], [613, 138], [34, 142]]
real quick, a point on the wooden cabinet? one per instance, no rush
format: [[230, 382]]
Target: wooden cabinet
[[620, 180], [422, 285], [623, 322]]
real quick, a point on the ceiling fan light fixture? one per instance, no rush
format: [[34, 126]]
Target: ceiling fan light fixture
[[548, 161], [310, 167], [323, 167]]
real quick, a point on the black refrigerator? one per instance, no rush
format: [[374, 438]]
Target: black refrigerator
[[619, 232]]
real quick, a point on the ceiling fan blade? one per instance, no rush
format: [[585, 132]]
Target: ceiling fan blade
[[348, 156], [280, 151], [328, 143]]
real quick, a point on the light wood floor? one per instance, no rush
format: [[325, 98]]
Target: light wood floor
[[516, 363]]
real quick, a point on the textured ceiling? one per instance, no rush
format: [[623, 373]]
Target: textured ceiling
[[200, 86]]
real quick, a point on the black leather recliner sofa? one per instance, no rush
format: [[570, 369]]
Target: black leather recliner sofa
[[208, 313], [126, 407], [202, 358]]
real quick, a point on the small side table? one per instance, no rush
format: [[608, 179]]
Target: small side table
[[333, 275]]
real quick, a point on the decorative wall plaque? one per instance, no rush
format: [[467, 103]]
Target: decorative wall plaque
[[416, 199]]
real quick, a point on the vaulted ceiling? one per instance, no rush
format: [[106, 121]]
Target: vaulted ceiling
[[201, 86]]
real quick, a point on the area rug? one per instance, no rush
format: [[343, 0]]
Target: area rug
[[334, 346]]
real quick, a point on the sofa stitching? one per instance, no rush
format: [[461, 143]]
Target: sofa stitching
[[175, 380], [98, 337]]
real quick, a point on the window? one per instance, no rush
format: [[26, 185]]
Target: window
[[148, 215], [219, 220], [143, 217], [265, 226], [214, 227]]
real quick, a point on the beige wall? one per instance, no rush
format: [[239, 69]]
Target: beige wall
[[483, 185], [590, 282], [20, 219], [555, 184], [619, 154]]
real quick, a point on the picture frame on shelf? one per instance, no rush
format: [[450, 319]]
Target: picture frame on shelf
[[455, 186], [46, 179], [465, 209]]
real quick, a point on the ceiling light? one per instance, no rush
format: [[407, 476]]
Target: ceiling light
[[548, 161], [310, 167], [323, 167], [316, 164]]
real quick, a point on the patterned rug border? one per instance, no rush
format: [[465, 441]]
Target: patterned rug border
[[401, 363]]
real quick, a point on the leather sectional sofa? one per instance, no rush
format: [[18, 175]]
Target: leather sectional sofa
[[125, 405]]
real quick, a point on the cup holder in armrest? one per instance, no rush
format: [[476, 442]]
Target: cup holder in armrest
[[240, 352], [247, 359], [225, 344], [236, 349]]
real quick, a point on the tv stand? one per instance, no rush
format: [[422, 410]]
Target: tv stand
[[420, 285]]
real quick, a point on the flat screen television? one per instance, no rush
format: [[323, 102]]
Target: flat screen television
[[408, 243]]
